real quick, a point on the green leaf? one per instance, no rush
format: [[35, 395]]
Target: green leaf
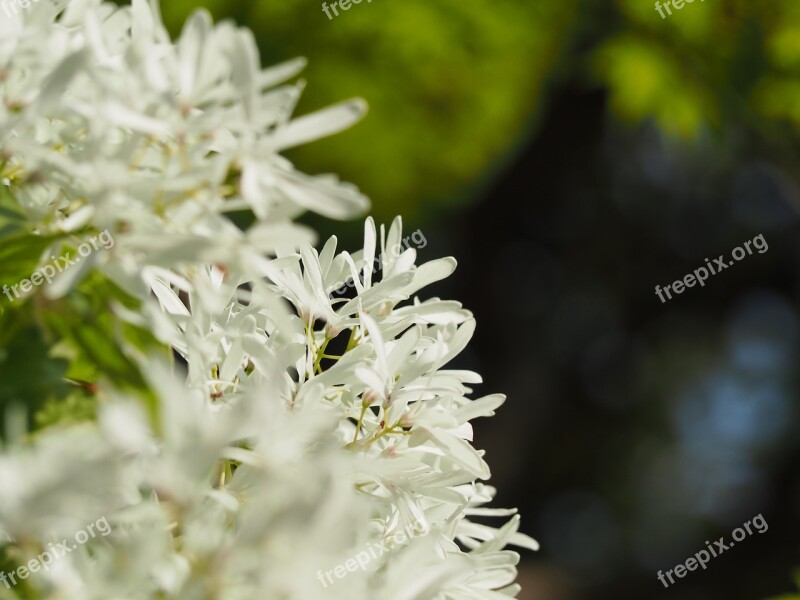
[[12, 219], [29, 374], [98, 344], [79, 406]]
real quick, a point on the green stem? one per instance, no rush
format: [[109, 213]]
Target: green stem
[[352, 342], [364, 408], [320, 354]]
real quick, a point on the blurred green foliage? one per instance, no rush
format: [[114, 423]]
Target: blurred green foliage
[[29, 375], [53, 351], [713, 64]]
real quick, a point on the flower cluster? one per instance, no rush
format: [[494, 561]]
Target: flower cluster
[[289, 426]]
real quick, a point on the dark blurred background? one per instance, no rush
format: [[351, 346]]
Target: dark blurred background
[[573, 155]]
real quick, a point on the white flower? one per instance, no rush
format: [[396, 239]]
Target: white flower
[[158, 142], [302, 423]]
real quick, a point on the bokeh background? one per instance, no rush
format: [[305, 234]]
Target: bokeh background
[[572, 154]]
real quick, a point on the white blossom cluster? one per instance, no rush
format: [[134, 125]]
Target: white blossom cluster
[[294, 427]]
